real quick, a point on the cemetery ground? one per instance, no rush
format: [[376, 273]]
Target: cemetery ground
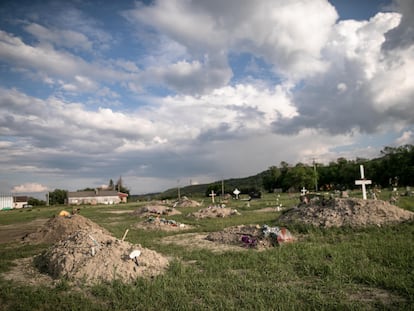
[[361, 268]]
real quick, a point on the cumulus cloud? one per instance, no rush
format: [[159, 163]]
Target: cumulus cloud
[[403, 35], [29, 188], [362, 89], [174, 101], [276, 31]]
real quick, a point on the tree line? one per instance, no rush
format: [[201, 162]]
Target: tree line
[[395, 167]]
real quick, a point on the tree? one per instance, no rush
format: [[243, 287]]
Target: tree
[[270, 179], [120, 187], [36, 202], [300, 176], [111, 184], [213, 187], [58, 196]]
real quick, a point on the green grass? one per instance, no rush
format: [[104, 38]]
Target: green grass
[[326, 269]]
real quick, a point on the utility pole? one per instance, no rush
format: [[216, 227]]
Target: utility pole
[[222, 189], [178, 189], [315, 175]]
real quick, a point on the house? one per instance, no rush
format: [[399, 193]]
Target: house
[[96, 197], [6, 201], [20, 201]]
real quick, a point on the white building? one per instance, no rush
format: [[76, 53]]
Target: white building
[[96, 197], [6, 201], [20, 201]]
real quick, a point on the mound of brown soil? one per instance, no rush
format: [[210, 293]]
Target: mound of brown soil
[[156, 210], [352, 212], [252, 236], [91, 256], [213, 212], [186, 202], [59, 227], [157, 223]]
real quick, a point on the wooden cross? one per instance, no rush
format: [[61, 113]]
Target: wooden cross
[[212, 194], [363, 182]]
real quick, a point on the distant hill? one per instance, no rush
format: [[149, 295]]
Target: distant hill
[[244, 184]]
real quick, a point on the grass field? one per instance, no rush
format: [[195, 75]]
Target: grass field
[[326, 269]]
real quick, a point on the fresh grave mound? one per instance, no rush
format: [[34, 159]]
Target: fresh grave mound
[[60, 227], [338, 212], [186, 202], [156, 210], [252, 236], [92, 257], [159, 223], [213, 212]]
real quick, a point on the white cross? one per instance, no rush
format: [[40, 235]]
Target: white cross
[[303, 191], [363, 182], [212, 194], [236, 192]]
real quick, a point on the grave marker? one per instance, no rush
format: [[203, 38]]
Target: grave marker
[[303, 191], [236, 193], [363, 182], [212, 194]]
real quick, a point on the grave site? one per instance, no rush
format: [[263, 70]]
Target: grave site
[[155, 217], [85, 254], [346, 212], [84, 251]]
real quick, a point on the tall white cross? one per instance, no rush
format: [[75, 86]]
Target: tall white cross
[[363, 182], [212, 194]]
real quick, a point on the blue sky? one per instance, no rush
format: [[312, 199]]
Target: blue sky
[[171, 91]]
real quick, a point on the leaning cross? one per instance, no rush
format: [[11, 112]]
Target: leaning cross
[[363, 182], [212, 194]]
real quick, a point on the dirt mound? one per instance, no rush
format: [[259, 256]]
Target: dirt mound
[[156, 210], [252, 236], [59, 227], [157, 223], [338, 212], [186, 202], [213, 212], [93, 256]]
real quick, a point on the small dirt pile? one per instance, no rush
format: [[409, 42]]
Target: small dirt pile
[[252, 236], [158, 223], [60, 227], [213, 212], [338, 212], [186, 202], [89, 257], [151, 210]]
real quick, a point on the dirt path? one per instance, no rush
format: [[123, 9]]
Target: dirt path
[[15, 232]]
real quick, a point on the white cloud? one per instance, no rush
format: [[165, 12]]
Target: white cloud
[[403, 35], [363, 89], [65, 38], [29, 188], [73, 72], [407, 137], [287, 35], [326, 82]]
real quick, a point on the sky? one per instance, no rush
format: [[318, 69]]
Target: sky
[[169, 93]]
